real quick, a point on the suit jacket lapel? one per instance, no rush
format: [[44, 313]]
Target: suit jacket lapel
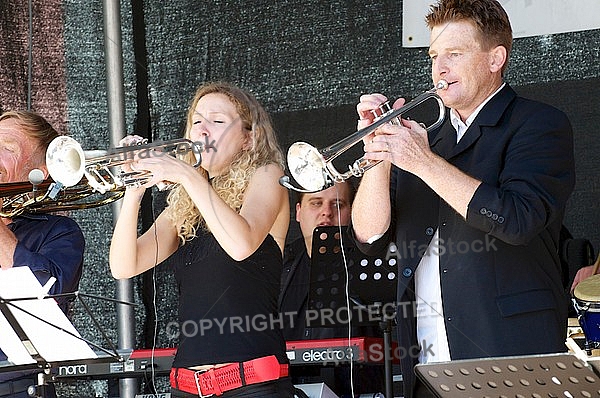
[[444, 141], [471, 135], [488, 116]]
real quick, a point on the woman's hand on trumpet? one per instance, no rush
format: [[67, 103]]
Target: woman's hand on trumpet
[[147, 166], [164, 170], [127, 167], [130, 140]]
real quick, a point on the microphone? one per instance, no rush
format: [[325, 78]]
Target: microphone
[[285, 182], [36, 176]]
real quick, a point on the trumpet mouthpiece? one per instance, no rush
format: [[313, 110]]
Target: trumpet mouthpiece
[[441, 85]]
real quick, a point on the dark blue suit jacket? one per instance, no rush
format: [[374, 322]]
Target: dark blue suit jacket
[[500, 271]]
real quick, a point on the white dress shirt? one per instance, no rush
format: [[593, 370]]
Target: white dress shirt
[[431, 328]]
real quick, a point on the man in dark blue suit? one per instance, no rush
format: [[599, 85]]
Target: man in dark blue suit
[[474, 207]]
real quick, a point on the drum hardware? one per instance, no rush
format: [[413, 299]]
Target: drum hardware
[[586, 301]]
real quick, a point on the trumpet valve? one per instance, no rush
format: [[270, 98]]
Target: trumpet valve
[[383, 110]]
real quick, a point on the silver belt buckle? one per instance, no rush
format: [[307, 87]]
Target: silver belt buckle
[[197, 380]]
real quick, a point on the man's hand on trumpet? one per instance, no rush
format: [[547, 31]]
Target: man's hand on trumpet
[[406, 145]]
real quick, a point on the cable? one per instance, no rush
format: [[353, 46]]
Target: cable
[[154, 307], [347, 290]]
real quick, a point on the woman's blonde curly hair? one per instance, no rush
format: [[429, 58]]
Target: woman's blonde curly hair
[[230, 186]]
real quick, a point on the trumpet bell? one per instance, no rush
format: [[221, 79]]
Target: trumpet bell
[[307, 166], [65, 161]]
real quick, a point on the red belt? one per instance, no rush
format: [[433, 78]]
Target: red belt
[[215, 381]]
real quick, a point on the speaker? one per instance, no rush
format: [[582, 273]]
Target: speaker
[[316, 390]]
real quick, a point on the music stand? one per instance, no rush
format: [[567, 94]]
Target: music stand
[[372, 284], [548, 375], [34, 332]]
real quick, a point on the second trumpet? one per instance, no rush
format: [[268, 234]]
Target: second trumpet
[[313, 169]]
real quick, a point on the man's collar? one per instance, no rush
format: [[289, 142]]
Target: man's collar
[[31, 216], [460, 126]]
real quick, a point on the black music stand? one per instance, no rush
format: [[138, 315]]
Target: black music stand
[[549, 375], [372, 285], [38, 333]]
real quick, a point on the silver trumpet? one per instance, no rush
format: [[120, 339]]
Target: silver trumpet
[[67, 164], [313, 169]]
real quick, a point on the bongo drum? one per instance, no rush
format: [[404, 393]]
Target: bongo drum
[[587, 304]]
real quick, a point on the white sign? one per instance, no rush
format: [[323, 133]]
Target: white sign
[[527, 17]]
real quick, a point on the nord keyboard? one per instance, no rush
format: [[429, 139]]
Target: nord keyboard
[[145, 362], [136, 363]]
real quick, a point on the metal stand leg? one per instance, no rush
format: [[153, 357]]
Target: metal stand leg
[[39, 390], [386, 325], [387, 344]]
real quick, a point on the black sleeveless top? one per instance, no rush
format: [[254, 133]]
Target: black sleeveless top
[[227, 308]]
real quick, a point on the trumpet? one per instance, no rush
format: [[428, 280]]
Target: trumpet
[[67, 165], [313, 169], [48, 196]]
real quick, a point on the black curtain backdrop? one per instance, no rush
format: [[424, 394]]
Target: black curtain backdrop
[[306, 61]]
